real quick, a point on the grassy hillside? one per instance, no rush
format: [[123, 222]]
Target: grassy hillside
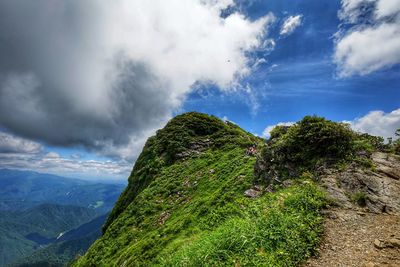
[[185, 205]]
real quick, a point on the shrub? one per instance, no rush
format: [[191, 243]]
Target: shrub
[[376, 142], [360, 198], [311, 142]]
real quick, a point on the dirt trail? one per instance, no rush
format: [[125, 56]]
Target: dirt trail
[[368, 236], [351, 239]]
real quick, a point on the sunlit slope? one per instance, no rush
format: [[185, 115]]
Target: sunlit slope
[[185, 205]]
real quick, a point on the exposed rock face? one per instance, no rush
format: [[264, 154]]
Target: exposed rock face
[[379, 188], [195, 148]]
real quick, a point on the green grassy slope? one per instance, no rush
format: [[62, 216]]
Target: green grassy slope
[[185, 205]]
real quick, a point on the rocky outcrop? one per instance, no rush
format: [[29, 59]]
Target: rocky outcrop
[[195, 148], [378, 188]]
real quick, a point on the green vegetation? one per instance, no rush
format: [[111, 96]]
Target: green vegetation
[[179, 135], [185, 205], [279, 229], [396, 143], [360, 198], [312, 144]]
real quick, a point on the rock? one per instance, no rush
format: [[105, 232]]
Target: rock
[[378, 244], [270, 189], [258, 188], [187, 154], [380, 186], [163, 217], [369, 264], [287, 183], [393, 242], [211, 171], [254, 192], [200, 145]]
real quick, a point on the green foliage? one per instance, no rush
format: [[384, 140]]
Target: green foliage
[[360, 198], [396, 143], [278, 131], [311, 142], [176, 137], [193, 207], [371, 142], [313, 138], [276, 230]]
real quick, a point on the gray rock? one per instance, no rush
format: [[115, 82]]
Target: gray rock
[[254, 192], [381, 186]]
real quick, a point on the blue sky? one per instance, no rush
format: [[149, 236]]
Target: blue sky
[[300, 78], [102, 85]]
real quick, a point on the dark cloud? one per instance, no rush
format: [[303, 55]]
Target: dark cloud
[[104, 75], [46, 94]]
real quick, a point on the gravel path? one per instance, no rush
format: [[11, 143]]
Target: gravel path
[[354, 238]]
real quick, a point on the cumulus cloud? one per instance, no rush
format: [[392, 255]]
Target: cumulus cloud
[[372, 42], [12, 144], [20, 153], [104, 75], [267, 131], [378, 123], [290, 24]]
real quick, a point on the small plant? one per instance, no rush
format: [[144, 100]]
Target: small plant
[[360, 198], [365, 162]]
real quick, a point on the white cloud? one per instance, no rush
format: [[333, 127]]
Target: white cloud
[[290, 24], [105, 74], [387, 8], [267, 131], [373, 43], [378, 123], [13, 144], [20, 153]]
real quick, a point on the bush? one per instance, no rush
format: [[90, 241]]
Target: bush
[[311, 142], [360, 198], [373, 142]]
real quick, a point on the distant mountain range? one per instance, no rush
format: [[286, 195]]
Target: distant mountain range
[[20, 190], [47, 219], [66, 247]]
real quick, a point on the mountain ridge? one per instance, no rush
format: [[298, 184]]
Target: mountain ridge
[[206, 193]]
